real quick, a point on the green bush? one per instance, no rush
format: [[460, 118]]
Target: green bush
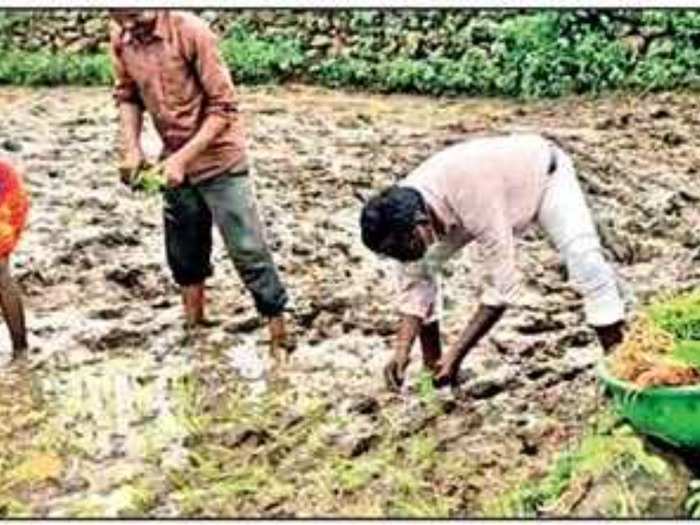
[[523, 53], [46, 69], [253, 60]]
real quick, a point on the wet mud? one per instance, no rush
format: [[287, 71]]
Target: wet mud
[[120, 412]]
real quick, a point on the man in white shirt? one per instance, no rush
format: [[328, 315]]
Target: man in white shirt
[[485, 190]]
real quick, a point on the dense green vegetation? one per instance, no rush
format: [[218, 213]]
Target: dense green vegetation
[[518, 53], [679, 315]]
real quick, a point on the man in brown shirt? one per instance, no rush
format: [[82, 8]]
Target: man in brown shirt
[[167, 63]]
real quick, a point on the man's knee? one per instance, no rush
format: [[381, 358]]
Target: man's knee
[[243, 236], [188, 257], [588, 269], [597, 282]]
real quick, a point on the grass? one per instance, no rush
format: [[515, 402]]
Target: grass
[[151, 181], [353, 475], [688, 353], [679, 315], [10, 507], [615, 452], [53, 69], [297, 468]]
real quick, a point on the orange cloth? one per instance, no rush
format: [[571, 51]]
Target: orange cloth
[[14, 205]]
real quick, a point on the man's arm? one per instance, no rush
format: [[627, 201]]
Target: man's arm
[[131, 125], [128, 99], [479, 325], [221, 104], [418, 297], [394, 371], [13, 310], [497, 245]]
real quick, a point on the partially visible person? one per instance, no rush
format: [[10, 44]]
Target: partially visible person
[[167, 63], [14, 205], [485, 190]]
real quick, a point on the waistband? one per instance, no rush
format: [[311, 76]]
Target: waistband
[[553, 151]]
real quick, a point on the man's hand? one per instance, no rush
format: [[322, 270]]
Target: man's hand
[[133, 162], [174, 170], [395, 370], [479, 325], [446, 374]]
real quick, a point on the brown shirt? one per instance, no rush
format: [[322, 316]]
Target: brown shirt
[[178, 76]]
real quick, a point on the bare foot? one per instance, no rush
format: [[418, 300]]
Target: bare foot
[[280, 345], [395, 373]]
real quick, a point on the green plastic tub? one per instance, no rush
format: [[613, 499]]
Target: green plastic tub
[[668, 413]]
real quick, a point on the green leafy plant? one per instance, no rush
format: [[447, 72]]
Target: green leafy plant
[[524, 53], [151, 181], [426, 390], [254, 60]]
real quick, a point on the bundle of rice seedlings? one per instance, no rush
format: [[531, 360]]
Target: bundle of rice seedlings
[[651, 356], [150, 180]]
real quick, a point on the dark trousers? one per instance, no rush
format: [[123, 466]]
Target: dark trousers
[[227, 201]]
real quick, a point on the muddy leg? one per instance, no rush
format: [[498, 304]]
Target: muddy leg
[[234, 209], [13, 310], [430, 345], [278, 340], [610, 335], [188, 243], [193, 303]]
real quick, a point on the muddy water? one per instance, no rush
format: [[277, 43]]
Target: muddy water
[[111, 372]]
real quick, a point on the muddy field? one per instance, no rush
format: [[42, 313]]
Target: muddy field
[[120, 412]]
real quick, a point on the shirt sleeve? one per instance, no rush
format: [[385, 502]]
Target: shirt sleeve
[[125, 89], [211, 69], [496, 245], [418, 291]]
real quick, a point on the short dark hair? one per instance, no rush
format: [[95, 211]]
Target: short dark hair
[[394, 212]]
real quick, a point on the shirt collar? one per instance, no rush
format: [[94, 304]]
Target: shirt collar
[[439, 207], [160, 30]]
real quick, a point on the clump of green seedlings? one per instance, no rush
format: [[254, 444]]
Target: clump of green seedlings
[[679, 315], [246, 461], [150, 180]]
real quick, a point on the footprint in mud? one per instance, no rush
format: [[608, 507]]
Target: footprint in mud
[[245, 360]]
